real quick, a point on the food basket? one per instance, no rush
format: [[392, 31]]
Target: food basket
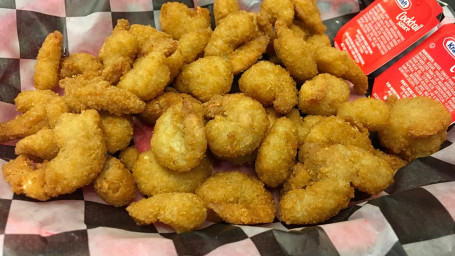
[[414, 216]]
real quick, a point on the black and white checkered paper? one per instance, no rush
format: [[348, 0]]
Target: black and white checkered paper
[[415, 216]]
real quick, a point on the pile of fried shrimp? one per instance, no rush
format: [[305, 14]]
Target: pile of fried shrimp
[[292, 120]]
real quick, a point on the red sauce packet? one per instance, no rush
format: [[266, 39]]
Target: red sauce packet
[[428, 70], [385, 29]]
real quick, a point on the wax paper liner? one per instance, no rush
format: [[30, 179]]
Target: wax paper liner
[[415, 216]]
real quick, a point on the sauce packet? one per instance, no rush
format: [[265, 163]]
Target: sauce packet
[[385, 29]]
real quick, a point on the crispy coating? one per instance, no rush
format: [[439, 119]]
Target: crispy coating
[[237, 125], [118, 131], [308, 122], [295, 53], [323, 94], [238, 198], [179, 140], [294, 116], [271, 11], [270, 84], [370, 173], [41, 144], [247, 54], [277, 153], [152, 178], [222, 8], [182, 211], [340, 64], [394, 161], [205, 78], [369, 112], [410, 133], [177, 19], [80, 64], [151, 40], [40, 108], [272, 116], [98, 94], [115, 184], [175, 62], [234, 30], [192, 44], [80, 159], [300, 178], [334, 130], [318, 41], [148, 78], [156, 107], [308, 12], [48, 62], [129, 156], [118, 52]]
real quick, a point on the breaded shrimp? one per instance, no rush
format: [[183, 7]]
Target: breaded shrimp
[[48, 62], [271, 11], [41, 144], [237, 198], [246, 55], [129, 156], [222, 8], [369, 112], [182, 211], [270, 84], [118, 131], [80, 64], [308, 12], [179, 140]]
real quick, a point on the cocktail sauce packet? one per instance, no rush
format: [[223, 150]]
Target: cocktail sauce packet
[[385, 29], [428, 70]]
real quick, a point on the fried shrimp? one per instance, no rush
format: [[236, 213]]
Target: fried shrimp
[[118, 131], [271, 11], [308, 12], [152, 178], [177, 19], [192, 44], [129, 156], [80, 64], [323, 95], [115, 184], [80, 159], [334, 130], [98, 94], [205, 78], [277, 153], [340, 64], [369, 112], [41, 144], [151, 40], [118, 52], [236, 126], [222, 8], [182, 211], [270, 84], [409, 133], [238, 198], [156, 107], [234, 30], [300, 178], [179, 140], [40, 108], [247, 54], [148, 78], [295, 53], [48, 62]]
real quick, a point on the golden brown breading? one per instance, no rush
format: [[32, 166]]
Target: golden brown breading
[[179, 142], [41, 144], [192, 44], [222, 8], [246, 55], [340, 64], [129, 156], [300, 178], [118, 131], [115, 184], [270, 84], [156, 107], [205, 78], [308, 12], [48, 62], [277, 153], [177, 19], [237, 125], [118, 52], [295, 53], [238, 198], [271, 11], [417, 127], [182, 211], [369, 112], [152, 178], [323, 94], [80, 64]]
